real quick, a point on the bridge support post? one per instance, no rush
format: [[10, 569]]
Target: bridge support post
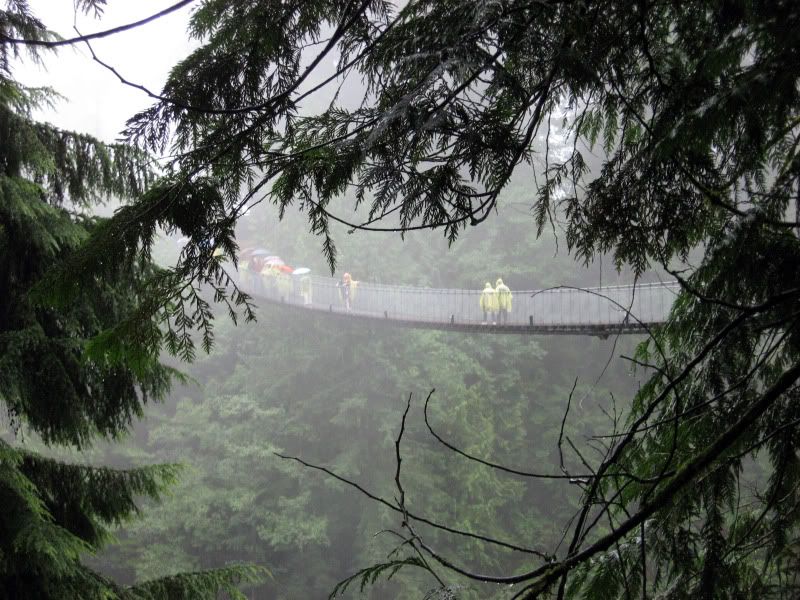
[[530, 320]]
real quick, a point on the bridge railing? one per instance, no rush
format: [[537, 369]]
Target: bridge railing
[[610, 305]]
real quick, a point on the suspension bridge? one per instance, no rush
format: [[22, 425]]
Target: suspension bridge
[[600, 311]]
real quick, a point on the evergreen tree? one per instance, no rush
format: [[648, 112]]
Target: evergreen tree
[[695, 107], [52, 382]]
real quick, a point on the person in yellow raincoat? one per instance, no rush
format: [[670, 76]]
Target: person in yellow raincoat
[[489, 303], [503, 301]]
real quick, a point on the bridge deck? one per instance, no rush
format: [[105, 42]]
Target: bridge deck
[[591, 329], [625, 309]]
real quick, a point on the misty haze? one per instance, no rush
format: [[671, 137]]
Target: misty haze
[[436, 299]]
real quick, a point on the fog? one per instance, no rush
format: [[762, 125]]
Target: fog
[[332, 391]]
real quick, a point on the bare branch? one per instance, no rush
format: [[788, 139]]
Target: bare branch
[[401, 500], [97, 35], [267, 104], [411, 515]]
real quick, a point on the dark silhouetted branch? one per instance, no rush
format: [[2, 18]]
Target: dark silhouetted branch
[[97, 35], [411, 515]]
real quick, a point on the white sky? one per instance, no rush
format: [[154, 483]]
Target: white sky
[[96, 102]]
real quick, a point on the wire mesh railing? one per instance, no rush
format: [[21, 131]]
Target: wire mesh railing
[[572, 308]]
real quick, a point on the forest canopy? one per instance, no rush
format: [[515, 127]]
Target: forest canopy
[[52, 386], [683, 119]]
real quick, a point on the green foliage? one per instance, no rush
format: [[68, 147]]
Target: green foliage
[[201, 585], [332, 393], [58, 381], [694, 109], [367, 577]]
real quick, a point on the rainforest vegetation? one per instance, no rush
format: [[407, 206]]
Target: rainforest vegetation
[[432, 142]]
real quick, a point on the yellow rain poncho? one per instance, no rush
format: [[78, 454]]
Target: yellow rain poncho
[[488, 298], [504, 296]]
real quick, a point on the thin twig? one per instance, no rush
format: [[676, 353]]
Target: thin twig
[[97, 35], [421, 519]]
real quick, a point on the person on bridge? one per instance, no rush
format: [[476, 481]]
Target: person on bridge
[[305, 289], [269, 279], [503, 301], [243, 269], [254, 266], [347, 291], [489, 303]]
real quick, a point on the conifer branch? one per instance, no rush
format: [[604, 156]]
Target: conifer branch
[[548, 574]]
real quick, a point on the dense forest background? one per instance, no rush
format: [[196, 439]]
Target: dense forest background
[[695, 495], [332, 391]]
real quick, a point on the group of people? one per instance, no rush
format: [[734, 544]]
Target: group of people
[[272, 276], [262, 275], [496, 302]]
